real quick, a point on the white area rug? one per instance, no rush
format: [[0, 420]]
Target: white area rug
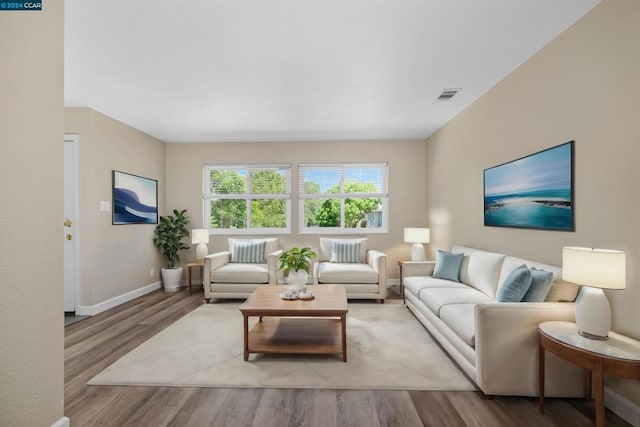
[[387, 348]]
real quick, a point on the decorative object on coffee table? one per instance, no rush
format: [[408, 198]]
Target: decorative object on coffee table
[[296, 263]]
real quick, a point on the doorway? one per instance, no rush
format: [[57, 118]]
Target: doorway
[[70, 225]]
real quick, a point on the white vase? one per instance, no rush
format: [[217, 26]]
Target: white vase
[[297, 280], [171, 279]]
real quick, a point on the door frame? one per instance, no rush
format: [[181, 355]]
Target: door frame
[[73, 139]]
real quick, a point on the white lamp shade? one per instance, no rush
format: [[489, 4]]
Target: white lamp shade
[[417, 235], [600, 268], [199, 235]]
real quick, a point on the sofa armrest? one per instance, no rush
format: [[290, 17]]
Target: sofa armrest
[[378, 261], [272, 265], [507, 349], [418, 268]]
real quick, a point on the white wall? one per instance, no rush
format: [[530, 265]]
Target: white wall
[[114, 259], [31, 197], [583, 86], [407, 183]]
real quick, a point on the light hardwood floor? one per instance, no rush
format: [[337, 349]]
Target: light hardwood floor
[[93, 344]]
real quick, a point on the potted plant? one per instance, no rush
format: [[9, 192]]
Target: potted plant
[[296, 263], [169, 233]]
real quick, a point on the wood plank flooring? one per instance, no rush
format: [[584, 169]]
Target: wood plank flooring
[[94, 343]]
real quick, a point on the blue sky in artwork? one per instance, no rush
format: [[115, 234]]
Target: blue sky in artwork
[[548, 170]]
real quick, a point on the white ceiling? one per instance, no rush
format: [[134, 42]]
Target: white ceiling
[[283, 70]]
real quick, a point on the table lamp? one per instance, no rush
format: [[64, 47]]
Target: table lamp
[[417, 236], [200, 237], [595, 269]]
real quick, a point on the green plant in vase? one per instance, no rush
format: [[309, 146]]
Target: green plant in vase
[[296, 262]]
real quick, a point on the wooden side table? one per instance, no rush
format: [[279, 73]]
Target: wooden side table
[[618, 356], [189, 266]]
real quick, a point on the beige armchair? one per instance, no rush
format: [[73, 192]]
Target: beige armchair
[[348, 262], [237, 272]]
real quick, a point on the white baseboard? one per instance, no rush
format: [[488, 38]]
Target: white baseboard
[[622, 407], [62, 422], [92, 310]]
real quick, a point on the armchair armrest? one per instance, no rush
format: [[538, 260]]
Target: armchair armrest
[[272, 266], [211, 263], [378, 261], [418, 268], [316, 270], [507, 347]]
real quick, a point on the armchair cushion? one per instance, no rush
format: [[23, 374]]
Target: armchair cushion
[[249, 252], [241, 273], [345, 251], [332, 272]]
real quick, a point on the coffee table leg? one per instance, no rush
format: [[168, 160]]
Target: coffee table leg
[[343, 320], [246, 337]]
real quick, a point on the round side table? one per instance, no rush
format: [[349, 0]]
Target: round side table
[[618, 356]]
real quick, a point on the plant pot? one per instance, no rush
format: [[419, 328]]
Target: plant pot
[[171, 279], [297, 280]]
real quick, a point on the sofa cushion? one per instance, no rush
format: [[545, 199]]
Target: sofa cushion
[[540, 285], [448, 266], [241, 273], [483, 270], [415, 284], [516, 285], [461, 319], [325, 248], [345, 251], [436, 298], [249, 252], [334, 272]]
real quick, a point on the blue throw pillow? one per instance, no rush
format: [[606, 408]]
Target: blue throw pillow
[[515, 286], [448, 266], [541, 281]]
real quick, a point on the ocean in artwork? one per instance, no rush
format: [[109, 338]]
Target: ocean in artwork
[[549, 209]]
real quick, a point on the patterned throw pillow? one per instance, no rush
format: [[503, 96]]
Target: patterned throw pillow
[[342, 251], [249, 252], [515, 286]]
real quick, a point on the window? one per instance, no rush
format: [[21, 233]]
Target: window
[[343, 198], [247, 199]]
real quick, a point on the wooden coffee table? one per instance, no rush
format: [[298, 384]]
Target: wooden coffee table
[[318, 326]]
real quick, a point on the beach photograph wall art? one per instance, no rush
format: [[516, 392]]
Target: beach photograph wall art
[[535, 191], [135, 199]]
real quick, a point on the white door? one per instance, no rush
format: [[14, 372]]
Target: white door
[[70, 225]]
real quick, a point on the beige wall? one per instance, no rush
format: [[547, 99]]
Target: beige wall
[[584, 85], [114, 259], [406, 183], [31, 190]]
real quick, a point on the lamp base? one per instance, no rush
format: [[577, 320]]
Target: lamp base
[[201, 251], [593, 313], [417, 252]]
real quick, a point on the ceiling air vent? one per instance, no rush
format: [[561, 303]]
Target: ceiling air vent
[[447, 94]]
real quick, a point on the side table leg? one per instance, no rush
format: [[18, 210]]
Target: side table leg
[[343, 321], [588, 381], [599, 385], [246, 338], [189, 278], [541, 377]]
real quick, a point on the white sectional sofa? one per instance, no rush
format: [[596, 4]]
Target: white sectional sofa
[[495, 343]]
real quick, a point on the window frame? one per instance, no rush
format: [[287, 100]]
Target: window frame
[[342, 196], [208, 197]]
